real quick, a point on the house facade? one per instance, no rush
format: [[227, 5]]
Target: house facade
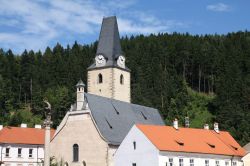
[[21, 146], [246, 158], [149, 145], [96, 124]]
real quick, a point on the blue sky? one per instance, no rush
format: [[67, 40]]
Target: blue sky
[[36, 24]]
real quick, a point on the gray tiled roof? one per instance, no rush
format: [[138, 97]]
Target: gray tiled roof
[[109, 42], [115, 118], [247, 147]]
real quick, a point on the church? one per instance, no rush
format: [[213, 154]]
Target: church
[[97, 123]]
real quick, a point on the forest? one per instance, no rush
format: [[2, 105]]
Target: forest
[[204, 77]]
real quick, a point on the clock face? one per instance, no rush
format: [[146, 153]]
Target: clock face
[[121, 61], [100, 60]]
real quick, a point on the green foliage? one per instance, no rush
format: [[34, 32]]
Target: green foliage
[[197, 109], [162, 67], [24, 116]]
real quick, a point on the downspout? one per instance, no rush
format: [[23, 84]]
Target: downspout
[[107, 156], [37, 155], [1, 155], [232, 160]]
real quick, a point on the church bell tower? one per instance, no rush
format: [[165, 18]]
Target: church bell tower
[[108, 76]]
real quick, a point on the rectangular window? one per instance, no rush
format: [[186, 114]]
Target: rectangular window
[[171, 162], [7, 152], [206, 162], [181, 162], [226, 163], [134, 143], [234, 163], [134, 164], [19, 152], [30, 152], [217, 163], [191, 161]]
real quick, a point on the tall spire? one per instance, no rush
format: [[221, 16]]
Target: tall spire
[[109, 40]]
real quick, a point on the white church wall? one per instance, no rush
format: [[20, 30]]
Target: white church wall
[[144, 154], [80, 129]]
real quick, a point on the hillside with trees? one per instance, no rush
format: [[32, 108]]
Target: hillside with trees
[[204, 77]]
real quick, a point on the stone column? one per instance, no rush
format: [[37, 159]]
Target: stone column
[[46, 146], [47, 123]]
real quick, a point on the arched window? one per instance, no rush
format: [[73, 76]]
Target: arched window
[[66, 164], [121, 79], [75, 153], [100, 78]]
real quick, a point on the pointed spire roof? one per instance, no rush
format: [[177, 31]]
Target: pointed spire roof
[[109, 40], [109, 44], [80, 84]]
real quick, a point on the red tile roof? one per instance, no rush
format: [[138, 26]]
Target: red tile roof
[[18, 135], [167, 138]]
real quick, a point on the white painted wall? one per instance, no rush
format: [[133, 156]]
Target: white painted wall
[[199, 159], [246, 159], [24, 160], [145, 154]]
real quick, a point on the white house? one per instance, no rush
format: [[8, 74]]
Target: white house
[[21, 146], [246, 158], [150, 145]]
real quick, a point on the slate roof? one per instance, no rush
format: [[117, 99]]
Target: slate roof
[[109, 42], [80, 84], [115, 118], [167, 138], [247, 147]]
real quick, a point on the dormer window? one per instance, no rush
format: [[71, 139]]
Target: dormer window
[[211, 145], [100, 79], [180, 143]]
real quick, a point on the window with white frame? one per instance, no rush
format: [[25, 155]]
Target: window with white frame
[[181, 162], [217, 163], [30, 153], [191, 161], [234, 163], [19, 152], [7, 152], [206, 162], [226, 163], [171, 161]]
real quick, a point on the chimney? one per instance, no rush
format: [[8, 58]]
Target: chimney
[[187, 122], [79, 95], [216, 127], [175, 124], [206, 127], [1, 127], [23, 125], [37, 126]]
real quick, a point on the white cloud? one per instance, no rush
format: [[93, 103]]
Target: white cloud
[[219, 7], [39, 23]]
